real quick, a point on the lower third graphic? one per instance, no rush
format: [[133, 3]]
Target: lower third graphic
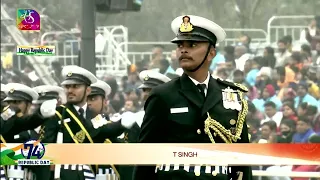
[[33, 151]]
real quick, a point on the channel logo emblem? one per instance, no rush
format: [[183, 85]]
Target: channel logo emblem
[[28, 20], [33, 151]]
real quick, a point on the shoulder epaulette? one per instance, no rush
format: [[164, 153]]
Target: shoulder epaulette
[[233, 85]]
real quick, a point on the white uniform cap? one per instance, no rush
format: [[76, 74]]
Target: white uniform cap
[[100, 88], [198, 29], [47, 92], [77, 75], [152, 79], [20, 92]]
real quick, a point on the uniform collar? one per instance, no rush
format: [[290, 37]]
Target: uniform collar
[[84, 107], [206, 82]]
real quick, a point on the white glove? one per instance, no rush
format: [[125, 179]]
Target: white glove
[[115, 118], [8, 113], [98, 121], [128, 119], [48, 108]]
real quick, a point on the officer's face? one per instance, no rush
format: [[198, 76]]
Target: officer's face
[[95, 103], [22, 105], [192, 53], [76, 93], [145, 93]]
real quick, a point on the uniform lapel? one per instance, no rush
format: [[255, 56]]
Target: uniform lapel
[[190, 91], [213, 96]]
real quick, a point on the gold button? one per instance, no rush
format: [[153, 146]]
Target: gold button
[[233, 122], [199, 131], [214, 173], [197, 173], [215, 134]]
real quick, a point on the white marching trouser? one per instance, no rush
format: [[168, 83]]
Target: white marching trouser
[[2, 173], [87, 173], [15, 172], [106, 174], [214, 170]]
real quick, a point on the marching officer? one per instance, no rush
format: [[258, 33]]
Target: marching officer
[[45, 93], [195, 108], [150, 79], [13, 119], [20, 97], [3, 96], [75, 123], [97, 100]]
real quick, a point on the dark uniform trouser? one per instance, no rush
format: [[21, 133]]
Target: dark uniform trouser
[[76, 172]]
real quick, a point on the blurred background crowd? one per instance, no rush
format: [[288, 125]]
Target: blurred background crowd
[[283, 78]]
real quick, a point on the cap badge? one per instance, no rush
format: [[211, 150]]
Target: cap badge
[[11, 90], [42, 93], [69, 74], [186, 25], [146, 78]]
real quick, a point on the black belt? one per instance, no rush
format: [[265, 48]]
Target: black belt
[[209, 169]]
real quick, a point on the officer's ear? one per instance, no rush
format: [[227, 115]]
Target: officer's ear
[[212, 53], [88, 90]]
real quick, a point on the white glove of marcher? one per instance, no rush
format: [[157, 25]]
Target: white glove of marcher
[[8, 113], [48, 108], [128, 119]]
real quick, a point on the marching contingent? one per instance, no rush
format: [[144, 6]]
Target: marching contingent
[[191, 107], [82, 118]]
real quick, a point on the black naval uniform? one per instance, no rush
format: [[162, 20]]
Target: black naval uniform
[[19, 129], [52, 127], [188, 127], [181, 112], [18, 123]]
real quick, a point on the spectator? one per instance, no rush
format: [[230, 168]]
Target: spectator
[[246, 40], [252, 74], [174, 60], [306, 50], [304, 130], [268, 94], [271, 113], [268, 132], [312, 33], [302, 109], [241, 54], [165, 67], [304, 96], [289, 112], [295, 60], [283, 54], [287, 130]]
